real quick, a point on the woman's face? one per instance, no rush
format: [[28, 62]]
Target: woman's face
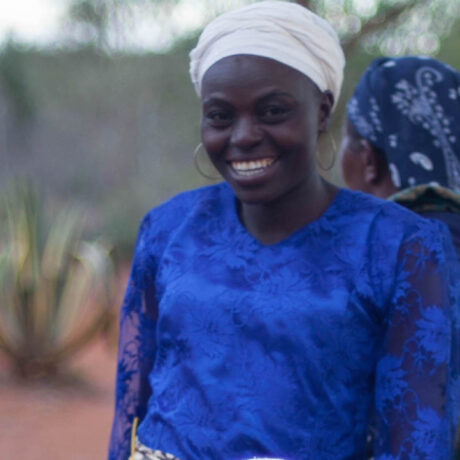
[[260, 123]]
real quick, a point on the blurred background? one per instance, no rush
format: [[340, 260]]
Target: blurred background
[[98, 123]]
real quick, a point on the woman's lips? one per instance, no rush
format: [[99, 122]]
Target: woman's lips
[[249, 168]]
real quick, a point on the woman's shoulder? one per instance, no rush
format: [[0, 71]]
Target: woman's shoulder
[[382, 212], [390, 224], [385, 234], [174, 211]]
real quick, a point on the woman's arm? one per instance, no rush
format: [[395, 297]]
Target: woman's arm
[[417, 385], [136, 348]]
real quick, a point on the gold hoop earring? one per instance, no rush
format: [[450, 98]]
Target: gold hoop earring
[[197, 164], [334, 153]]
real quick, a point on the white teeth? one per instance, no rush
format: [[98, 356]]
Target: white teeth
[[247, 168]]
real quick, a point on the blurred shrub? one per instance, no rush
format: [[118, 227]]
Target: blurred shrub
[[54, 287], [15, 83]]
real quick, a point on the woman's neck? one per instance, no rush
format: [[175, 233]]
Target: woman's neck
[[274, 221]]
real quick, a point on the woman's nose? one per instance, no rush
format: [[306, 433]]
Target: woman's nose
[[246, 133]]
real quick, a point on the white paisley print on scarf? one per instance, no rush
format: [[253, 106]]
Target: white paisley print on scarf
[[421, 106]]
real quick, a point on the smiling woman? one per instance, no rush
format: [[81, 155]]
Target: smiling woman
[[257, 124], [270, 315]]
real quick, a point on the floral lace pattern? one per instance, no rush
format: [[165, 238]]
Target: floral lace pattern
[[230, 349]]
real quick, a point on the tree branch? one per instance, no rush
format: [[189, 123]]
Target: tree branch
[[377, 23], [305, 3]]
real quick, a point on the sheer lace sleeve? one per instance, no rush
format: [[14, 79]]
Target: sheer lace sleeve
[[416, 398], [135, 349]]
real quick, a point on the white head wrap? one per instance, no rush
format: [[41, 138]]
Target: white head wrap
[[285, 32]]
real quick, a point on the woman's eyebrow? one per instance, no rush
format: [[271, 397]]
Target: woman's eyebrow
[[276, 93], [271, 94], [215, 100]]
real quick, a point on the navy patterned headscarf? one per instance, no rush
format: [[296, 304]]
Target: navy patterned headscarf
[[409, 107]]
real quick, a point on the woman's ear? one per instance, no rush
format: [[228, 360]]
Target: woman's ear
[[325, 109], [375, 173], [369, 161]]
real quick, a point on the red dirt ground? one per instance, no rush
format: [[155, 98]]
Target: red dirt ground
[[66, 421], [70, 420]]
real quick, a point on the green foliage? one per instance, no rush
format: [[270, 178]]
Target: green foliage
[[393, 27], [14, 82], [94, 17], [54, 287]]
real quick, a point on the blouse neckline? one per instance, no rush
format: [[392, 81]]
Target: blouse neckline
[[232, 207]]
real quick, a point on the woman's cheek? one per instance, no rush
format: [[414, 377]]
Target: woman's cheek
[[213, 141]]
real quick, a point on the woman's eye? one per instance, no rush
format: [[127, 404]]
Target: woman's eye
[[219, 118], [274, 113]]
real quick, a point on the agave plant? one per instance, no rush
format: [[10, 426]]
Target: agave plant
[[54, 287]]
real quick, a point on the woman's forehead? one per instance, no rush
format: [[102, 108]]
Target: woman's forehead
[[245, 71]]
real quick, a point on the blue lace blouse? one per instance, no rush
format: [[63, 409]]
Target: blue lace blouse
[[231, 349]]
